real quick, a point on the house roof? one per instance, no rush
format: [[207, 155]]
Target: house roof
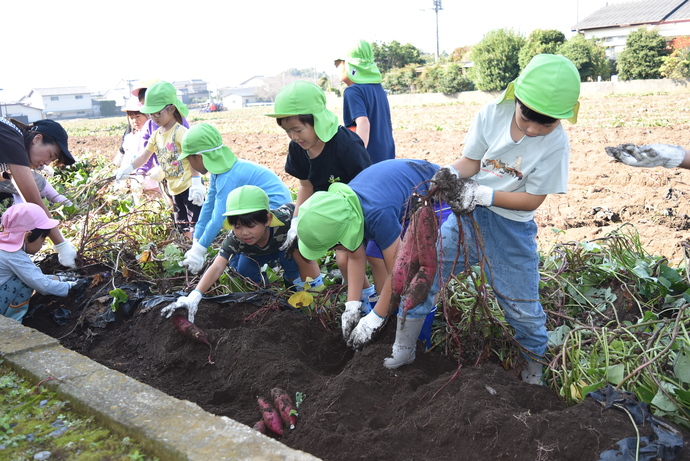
[[62, 90], [635, 13]]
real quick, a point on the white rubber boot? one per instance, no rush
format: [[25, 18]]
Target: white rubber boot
[[532, 373], [405, 345]]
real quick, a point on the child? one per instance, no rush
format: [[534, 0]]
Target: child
[[203, 146], [320, 152], [516, 152], [184, 183], [351, 216], [25, 228], [366, 111], [257, 233], [365, 104], [130, 147], [26, 147]]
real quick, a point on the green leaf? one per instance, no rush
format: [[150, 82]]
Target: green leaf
[[681, 367], [615, 373], [119, 297], [662, 402], [557, 336]]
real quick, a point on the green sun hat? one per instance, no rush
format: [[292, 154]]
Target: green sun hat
[[305, 98], [247, 199], [549, 84], [329, 218], [205, 140], [360, 65], [159, 95]]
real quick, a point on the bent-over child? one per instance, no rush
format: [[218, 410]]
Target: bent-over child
[[25, 228]]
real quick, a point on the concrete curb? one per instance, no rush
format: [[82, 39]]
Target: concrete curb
[[168, 428]]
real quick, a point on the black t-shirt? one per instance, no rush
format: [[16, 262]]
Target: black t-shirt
[[342, 158], [12, 148]]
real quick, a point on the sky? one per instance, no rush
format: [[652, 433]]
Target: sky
[[97, 44]]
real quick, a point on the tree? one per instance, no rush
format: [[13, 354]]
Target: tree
[[540, 41], [495, 60], [677, 65], [461, 54], [454, 80], [643, 55], [399, 81], [393, 55], [588, 56]]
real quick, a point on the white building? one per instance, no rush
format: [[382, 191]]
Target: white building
[[613, 23], [61, 103]]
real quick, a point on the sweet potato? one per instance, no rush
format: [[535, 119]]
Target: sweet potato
[[192, 332], [285, 407], [416, 262], [260, 426], [270, 416]]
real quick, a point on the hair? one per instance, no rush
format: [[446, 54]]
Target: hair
[[248, 219], [38, 233], [29, 134], [177, 115], [141, 96], [307, 119], [534, 116]]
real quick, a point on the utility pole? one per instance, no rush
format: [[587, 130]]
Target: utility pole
[[437, 8]]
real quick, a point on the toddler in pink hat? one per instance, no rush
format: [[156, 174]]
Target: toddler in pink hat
[[25, 227]]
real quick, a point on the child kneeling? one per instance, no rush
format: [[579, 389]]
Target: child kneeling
[[25, 228], [257, 233]]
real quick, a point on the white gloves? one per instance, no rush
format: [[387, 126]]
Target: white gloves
[[123, 171], [156, 173], [350, 317], [364, 330], [648, 155], [197, 192], [291, 235], [189, 302], [468, 194], [67, 254], [450, 169], [194, 258], [47, 171]]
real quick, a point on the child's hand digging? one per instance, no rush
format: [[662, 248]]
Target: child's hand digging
[[648, 155]]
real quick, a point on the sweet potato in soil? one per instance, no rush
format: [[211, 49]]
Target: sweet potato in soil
[[354, 407]]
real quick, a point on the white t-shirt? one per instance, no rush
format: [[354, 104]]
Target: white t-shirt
[[537, 165]]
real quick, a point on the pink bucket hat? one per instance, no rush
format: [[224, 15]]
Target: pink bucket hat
[[20, 218]]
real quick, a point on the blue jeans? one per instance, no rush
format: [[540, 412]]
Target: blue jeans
[[14, 298], [511, 265], [250, 266]]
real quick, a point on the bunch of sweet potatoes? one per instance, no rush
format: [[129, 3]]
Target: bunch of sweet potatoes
[[276, 413]]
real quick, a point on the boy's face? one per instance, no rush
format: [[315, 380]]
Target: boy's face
[[197, 162], [302, 134], [33, 247], [530, 128], [254, 234]]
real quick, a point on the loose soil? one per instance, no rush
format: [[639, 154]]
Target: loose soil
[[435, 408]]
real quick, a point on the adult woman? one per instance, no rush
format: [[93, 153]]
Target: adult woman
[[23, 147]]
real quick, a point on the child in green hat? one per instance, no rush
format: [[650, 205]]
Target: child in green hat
[[184, 182], [366, 112], [516, 153], [204, 144], [257, 234], [320, 153]]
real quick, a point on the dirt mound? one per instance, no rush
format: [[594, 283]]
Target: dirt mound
[[354, 408]]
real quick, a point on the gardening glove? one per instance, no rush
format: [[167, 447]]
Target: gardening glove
[[446, 172], [291, 236], [197, 193], [66, 278], [189, 302], [350, 317], [194, 258], [67, 254], [47, 171], [123, 171], [53, 196], [364, 330], [648, 155], [467, 194], [156, 173]]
